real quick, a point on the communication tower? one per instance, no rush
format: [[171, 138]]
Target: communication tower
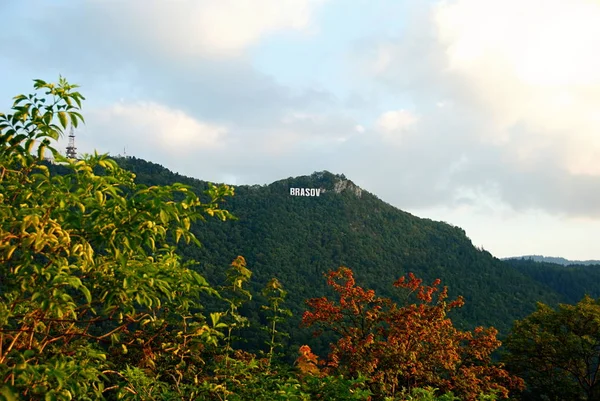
[[71, 149]]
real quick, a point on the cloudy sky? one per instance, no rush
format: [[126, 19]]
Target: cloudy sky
[[481, 113]]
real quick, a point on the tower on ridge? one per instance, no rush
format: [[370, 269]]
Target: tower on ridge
[[71, 149]]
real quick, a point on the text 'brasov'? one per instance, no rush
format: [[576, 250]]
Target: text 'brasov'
[[305, 191]]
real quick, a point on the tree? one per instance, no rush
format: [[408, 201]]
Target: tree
[[92, 292], [557, 351], [403, 347]]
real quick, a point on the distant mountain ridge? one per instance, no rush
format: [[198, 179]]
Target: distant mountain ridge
[[555, 260]]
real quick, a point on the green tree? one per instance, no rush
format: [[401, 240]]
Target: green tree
[[92, 292], [275, 295], [557, 351]]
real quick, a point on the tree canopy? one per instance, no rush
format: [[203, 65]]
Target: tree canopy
[[90, 280], [557, 351], [410, 345]]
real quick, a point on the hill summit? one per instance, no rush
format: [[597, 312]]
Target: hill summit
[[322, 180]]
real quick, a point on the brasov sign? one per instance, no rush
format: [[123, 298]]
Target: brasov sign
[[305, 191]]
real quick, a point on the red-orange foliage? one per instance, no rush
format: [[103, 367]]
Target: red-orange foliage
[[414, 345], [307, 361]]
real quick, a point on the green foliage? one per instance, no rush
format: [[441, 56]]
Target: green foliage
[[90, 280], [570, 282], [429, 394], [298, 239], [275, 295], [237, 276], [557, 351], [336, 388], [32, 120]]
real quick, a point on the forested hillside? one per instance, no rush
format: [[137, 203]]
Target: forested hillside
[[298, 239], [570, 282]]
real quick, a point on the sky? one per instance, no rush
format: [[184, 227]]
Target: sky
[[481, 113]]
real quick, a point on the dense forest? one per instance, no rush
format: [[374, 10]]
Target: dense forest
[[122, 280], [299, 239]]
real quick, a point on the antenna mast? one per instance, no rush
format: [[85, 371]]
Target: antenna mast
[[71, 149]]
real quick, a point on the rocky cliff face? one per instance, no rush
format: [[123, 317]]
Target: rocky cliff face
[[336, 183], [344, 185], [347, 185]]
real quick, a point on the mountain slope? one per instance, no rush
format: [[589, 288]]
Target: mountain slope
[[298, 239], [570, 282]]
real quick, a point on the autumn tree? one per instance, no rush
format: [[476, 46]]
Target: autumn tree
[[557, 351], [402, 347]]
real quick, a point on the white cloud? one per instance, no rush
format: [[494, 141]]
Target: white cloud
[[517, 233], [511, 87], [383, 59], [531, 63], [317, 129], [146, 124], [222, 28], [395, 124]]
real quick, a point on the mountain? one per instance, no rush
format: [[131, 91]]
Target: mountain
[[555, 260], [299, 238]]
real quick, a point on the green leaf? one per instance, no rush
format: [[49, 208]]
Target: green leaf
[[29, 145], [75, 115], [163, 217], [18, 99], [76, 97], [74, 120], [8, 394], [62, 117], [215, 317], [86, 294]]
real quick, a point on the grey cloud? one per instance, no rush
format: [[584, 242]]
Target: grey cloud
[[416, 174]]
